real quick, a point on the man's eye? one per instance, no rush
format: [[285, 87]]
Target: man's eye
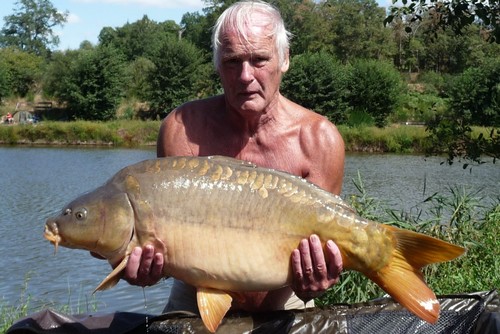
[[231, 61], [260, 61]]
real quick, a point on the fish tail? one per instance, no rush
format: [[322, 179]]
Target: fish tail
[[402, 277]]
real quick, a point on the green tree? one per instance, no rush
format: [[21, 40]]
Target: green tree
[[474, 100], [30, 27], [375, 88], [4, 80], [57, 76], [93, 83], [475, 95], [139, 39], [197, 29], [319, 82], [358, 31], [454, 14], [24, 70], [179, 73], [137, 75]]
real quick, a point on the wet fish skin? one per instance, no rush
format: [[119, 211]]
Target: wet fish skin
[[227, 226]]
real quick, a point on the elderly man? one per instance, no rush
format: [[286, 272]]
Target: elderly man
[[252, 121]]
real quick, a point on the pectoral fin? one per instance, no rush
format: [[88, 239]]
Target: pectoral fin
[[112, 279], [213, 305]]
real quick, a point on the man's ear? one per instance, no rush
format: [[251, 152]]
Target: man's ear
[[286, 62]]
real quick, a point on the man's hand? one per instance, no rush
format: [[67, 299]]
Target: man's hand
[[312, 274], [144, 266]]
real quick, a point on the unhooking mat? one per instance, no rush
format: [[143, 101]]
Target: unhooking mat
[[467, 313]]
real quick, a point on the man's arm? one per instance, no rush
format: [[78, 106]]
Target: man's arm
[[315, 271]]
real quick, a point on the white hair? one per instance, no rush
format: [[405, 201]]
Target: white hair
[[238, 16]]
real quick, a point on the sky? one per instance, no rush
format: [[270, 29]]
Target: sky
[[87, 17]]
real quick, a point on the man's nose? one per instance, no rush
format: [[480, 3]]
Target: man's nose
[[247, 72]]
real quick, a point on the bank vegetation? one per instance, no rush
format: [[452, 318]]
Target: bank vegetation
[[346, 64]]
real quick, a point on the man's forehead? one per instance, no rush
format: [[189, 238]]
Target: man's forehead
[[256, 38]]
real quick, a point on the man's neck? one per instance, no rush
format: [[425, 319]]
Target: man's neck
[[250, 122]]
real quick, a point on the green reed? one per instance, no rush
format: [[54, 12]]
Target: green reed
[[28, 304], [460, 216]]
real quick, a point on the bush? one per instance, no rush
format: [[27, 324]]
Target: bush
[[23, 70], [179, 73], [320, 83], [375, 88], [417, 107], [93, 85], [4, 81], [475, 95]]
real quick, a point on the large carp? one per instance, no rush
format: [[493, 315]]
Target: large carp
[[226, 226]]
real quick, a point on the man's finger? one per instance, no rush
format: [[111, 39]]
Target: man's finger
[[317, 257], [335, 265], [133, 264]]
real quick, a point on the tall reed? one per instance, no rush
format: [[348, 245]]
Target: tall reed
[[460, 216]]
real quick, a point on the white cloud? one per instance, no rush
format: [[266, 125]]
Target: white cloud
[[73, 18]]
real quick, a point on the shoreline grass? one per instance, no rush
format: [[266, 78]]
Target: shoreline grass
[[397, 138], [459, 216], [133, 133], [115, 133]]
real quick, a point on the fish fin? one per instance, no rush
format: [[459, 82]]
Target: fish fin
[[420, 249], [402, 277], [213, 305], [114, 277]]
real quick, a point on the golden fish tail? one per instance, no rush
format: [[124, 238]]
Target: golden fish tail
[[402, 277]]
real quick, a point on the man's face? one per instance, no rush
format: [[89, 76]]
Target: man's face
[[250, 70]]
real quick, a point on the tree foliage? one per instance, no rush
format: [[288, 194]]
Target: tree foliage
[[454, 14], [375, 89], [90, 82], [474, 100], [319, 82], [340, 65], [4, 80], [23, 71], [176, 78], [30, 28], [139, 39]]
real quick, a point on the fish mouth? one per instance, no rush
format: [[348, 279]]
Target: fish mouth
[[51, 233]]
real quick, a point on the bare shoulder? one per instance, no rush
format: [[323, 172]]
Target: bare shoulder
[[173, 135], [195, 111], [323, 147], [316, 131]]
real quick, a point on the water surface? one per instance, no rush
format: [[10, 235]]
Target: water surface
[[37, 182]]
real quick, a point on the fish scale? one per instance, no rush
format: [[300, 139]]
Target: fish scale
[[226, 226]]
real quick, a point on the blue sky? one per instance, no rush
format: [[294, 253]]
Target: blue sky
[[87, 17]]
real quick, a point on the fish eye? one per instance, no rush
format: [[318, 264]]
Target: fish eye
[[81, 214]]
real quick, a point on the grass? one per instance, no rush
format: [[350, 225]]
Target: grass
[[126, 133], [26, 305], [459, 216], [131, 133]]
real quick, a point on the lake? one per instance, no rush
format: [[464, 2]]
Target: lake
[[37, 182]]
